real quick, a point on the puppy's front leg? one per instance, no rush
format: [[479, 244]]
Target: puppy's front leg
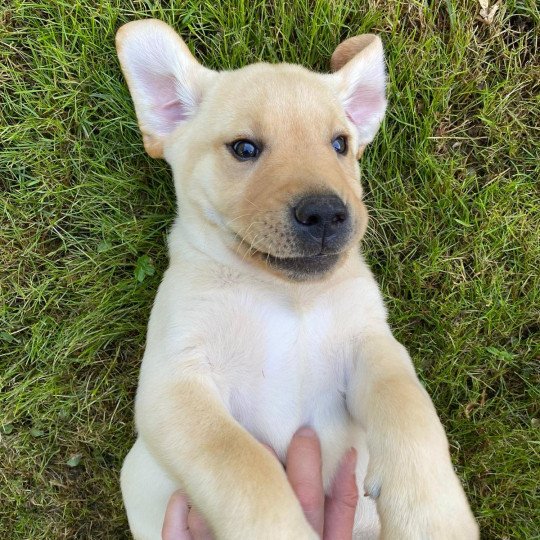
[[239, 487], [410, 472]]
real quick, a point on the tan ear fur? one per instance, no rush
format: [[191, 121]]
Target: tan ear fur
[[349, 48]]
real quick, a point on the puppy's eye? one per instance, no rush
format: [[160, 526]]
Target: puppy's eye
[[245, 149], [340, 144]]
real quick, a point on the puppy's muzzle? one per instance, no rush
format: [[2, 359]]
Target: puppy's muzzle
[[321, 224], [321, 227]]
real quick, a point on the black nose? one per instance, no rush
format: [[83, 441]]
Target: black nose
[[322, 218]]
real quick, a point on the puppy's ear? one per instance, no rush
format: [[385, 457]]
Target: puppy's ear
[[349, 48], [165, 81], [358, 63]]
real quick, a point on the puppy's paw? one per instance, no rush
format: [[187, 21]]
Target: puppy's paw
[[289, 533], [290, 527], [419, 499]]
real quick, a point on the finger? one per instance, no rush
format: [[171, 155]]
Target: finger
[[341, 504], [198, 527], [175, 523], [305, 475]]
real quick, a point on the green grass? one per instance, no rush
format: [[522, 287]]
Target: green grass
[[451, 181]]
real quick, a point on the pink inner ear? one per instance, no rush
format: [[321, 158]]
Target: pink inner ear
[[364, 105], [166, 109], [174, 112]]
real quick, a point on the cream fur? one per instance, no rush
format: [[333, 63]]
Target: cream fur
[[237, 353]]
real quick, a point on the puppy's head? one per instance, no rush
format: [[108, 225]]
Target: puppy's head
[[265, 156]]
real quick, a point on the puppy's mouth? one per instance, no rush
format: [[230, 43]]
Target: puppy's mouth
[[296, 267], [299, 268], [302, 268]]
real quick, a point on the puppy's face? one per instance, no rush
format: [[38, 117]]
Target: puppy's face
[[265, 155]]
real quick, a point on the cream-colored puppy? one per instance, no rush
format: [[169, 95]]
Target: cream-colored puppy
[[268, 318]]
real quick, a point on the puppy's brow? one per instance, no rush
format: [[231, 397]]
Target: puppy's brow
[[341, 132], [245, 134]]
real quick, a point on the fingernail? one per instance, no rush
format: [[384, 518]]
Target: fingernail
[[306, 432]]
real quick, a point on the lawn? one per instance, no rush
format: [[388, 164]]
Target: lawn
[[452, 186]]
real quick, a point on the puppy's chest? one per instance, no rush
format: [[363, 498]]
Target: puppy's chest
[[283, 368]]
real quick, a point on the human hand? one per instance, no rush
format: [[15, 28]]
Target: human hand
[[331, 516]]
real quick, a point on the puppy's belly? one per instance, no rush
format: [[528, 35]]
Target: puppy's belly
[[282, 371], [272, 416], [273, 411]]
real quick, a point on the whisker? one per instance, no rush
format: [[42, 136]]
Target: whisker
[[236, 219], [251, 202]]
